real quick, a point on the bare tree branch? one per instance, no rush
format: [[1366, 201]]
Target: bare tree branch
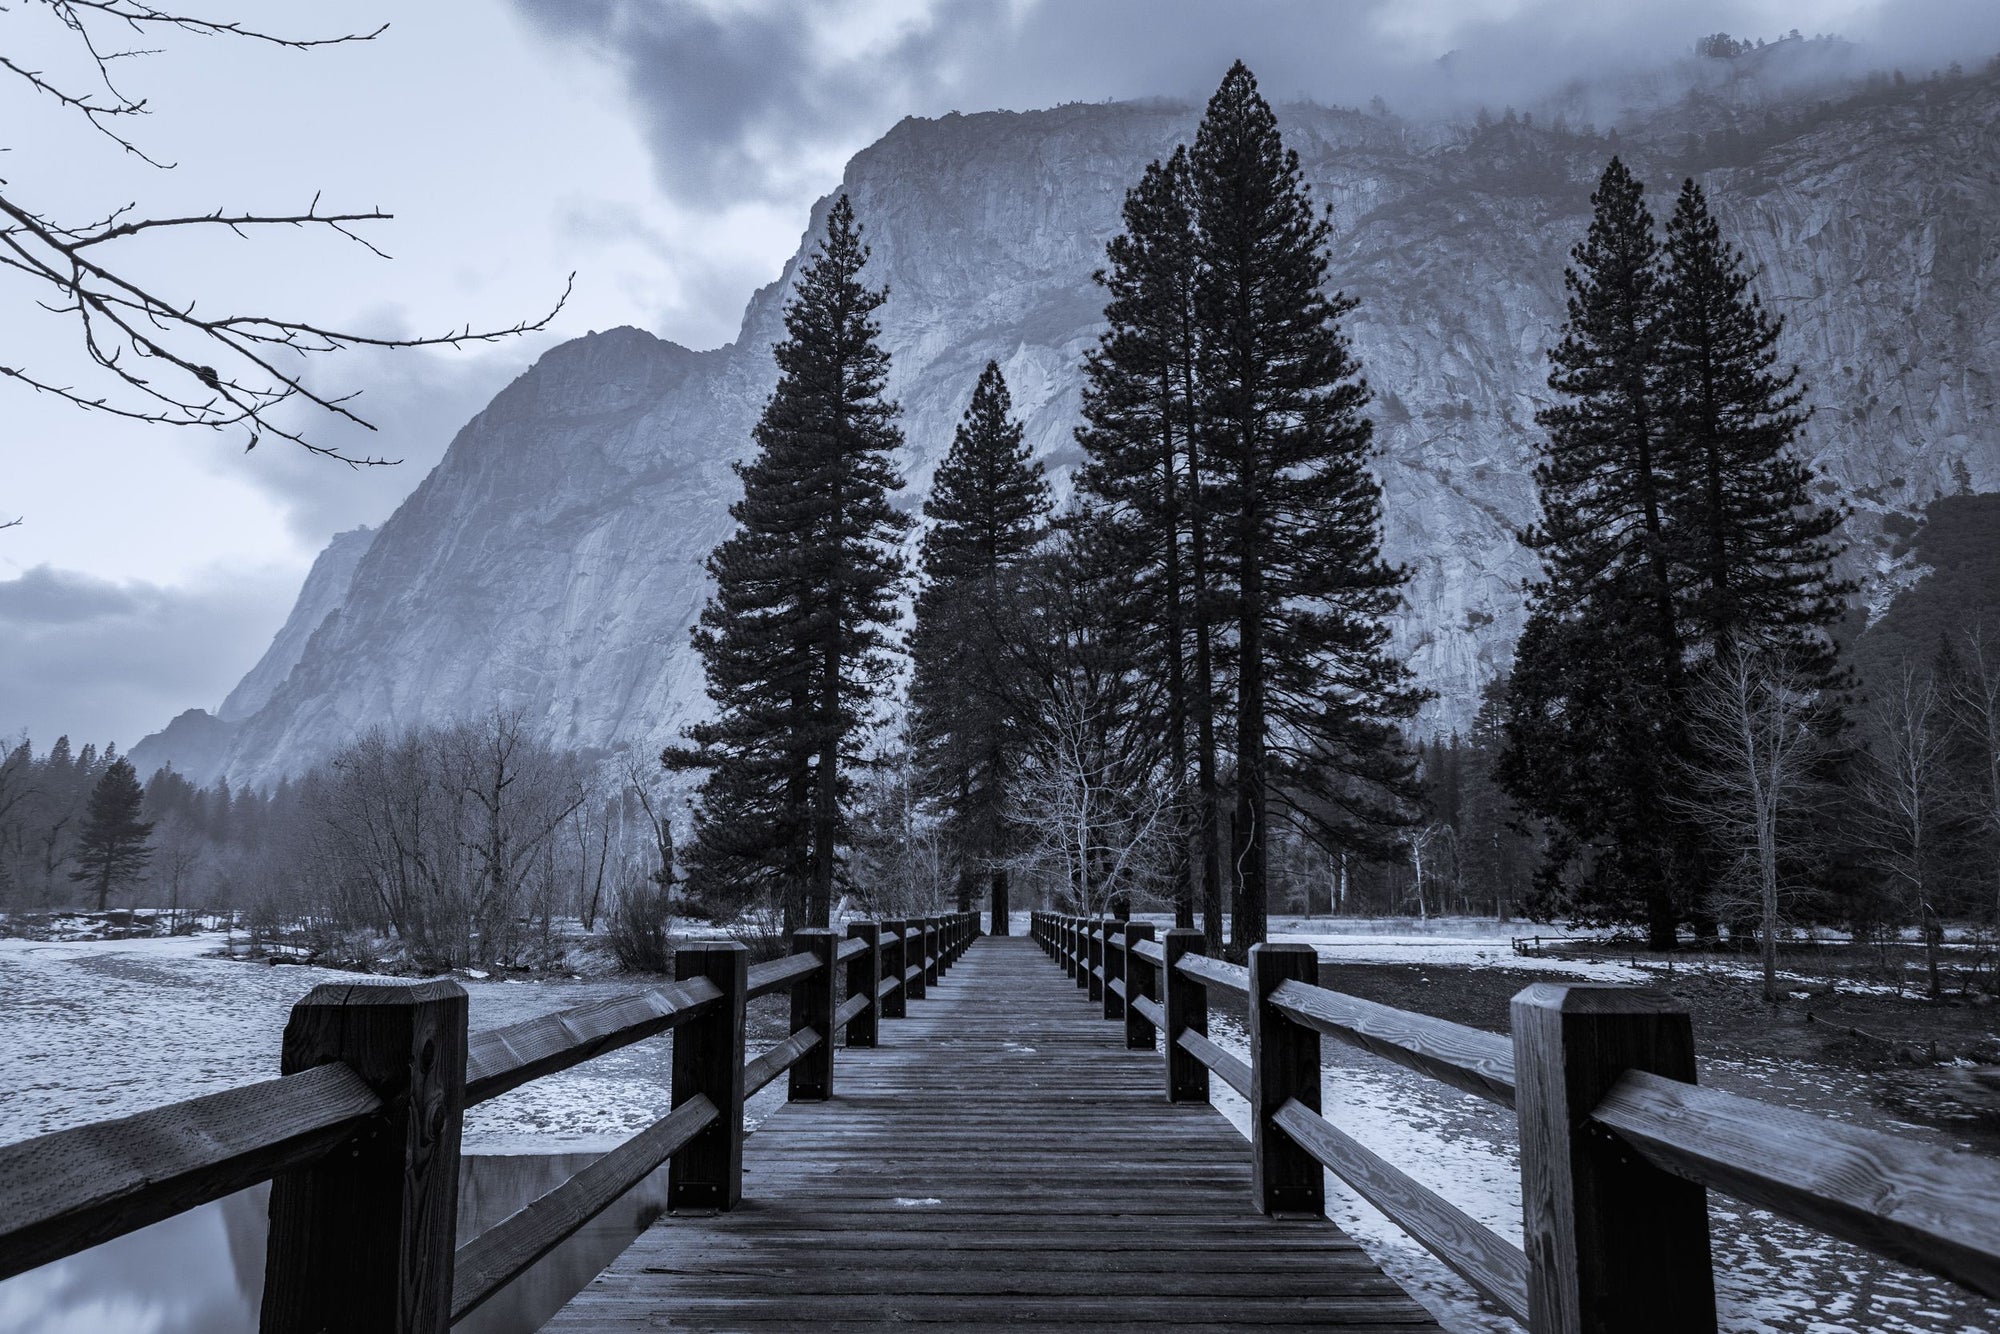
[[162, 361]]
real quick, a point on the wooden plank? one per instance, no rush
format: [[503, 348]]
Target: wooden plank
[[1495, 1267], [1232, 978], [502, 1253], [777, 974], [1151, 1010], [1471, 1059], [1234, 1071], [1150, 949], [923, 1193], [850, 1007], [499, 1059], [851, 947], [761, 1070], [1932, 1208], [65, 1192]]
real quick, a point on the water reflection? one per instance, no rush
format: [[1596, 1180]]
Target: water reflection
[[202, 1272]]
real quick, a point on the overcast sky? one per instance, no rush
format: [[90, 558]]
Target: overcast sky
[[666, 151]]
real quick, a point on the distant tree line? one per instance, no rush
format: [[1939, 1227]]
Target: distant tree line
[[470, 843]]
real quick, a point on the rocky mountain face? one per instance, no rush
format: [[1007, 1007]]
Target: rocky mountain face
[[552, 563]]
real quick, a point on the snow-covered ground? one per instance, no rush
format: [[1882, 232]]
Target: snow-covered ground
[[103, 1028]]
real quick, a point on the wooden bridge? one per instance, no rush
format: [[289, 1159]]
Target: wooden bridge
[[1025, 1142]]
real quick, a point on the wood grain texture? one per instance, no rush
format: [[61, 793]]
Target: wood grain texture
[[922, 1193], [1150, 949], [1495, 1267], [1471, 1059], [502, 1253], [363, 1239], [499, 1059], [1232, 978], [777, 974], [1284, 1067], [707, 1171], [1232, 1069], [761, 1069], [1928, 1207], [64, 1192], [1614, 1244], [814, 997], [1186, 1011]]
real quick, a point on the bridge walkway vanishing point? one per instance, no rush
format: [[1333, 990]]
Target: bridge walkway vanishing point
[[1002, 1159]]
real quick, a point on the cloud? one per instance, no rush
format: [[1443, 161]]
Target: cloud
[[106, 661], [763, 100]]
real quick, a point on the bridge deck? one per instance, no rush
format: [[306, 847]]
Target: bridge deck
[[1000, 1160]]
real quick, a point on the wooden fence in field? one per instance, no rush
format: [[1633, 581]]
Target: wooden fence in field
[[359, 1135], [1619, 1146]]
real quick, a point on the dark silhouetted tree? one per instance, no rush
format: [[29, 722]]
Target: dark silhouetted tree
[[794, 639], [112, 848]]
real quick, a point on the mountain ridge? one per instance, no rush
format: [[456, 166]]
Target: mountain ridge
[[552, 561]]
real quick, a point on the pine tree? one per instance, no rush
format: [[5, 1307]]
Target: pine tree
[[1139, 401], [1319, 700], [989, 507], [112, 847], [1757, 545], [1595, 700], [794, 639]]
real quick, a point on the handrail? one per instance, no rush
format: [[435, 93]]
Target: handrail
[[768, 977], [72, 1189], [499, 1059], [1234, 1070], [1937, 1209], [1621, 1236], [383, 1074], [1494, 1266], [1231, 977], [776, 1061], [1469, 1059], [502, 1253]]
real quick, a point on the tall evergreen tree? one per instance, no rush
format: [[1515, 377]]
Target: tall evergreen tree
[[1319, 700], [989, 508], [1757, 545], [1139, 401], [112, 848], [1595, 700], [794, 638]]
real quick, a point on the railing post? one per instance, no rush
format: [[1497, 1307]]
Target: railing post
[[1069, 955], [931, 933], [914, 940], [895, 961], [1613, 1243], [864, 974], [1186, 1004], [707, 1172], [1114, 968], [363, 1239], [1138, 982], [1284, 1063], [1093, 958], [1002, 919], [813, 1004]]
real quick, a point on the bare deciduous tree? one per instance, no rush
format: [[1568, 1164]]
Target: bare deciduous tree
[[1755, 720], [155, 354], [1975, 703], [1907, 804]]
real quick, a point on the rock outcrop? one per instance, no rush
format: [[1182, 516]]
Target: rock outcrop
[[552, 563]]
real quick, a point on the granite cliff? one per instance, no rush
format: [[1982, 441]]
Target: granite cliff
[[552, 561]]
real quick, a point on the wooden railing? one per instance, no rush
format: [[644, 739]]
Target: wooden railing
[[1618, 1145], [359, 1135]]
